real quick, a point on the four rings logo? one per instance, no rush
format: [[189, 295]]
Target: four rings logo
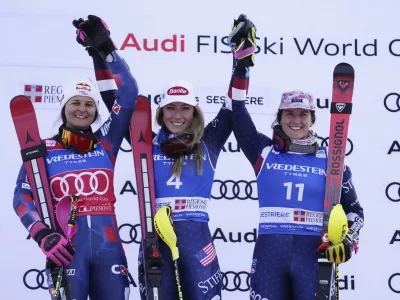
[[230, 189], [394, 283], [393, 191], [84, 183], [392, 102], [236, 281], [349, 145], [35, 279], [129, 233]]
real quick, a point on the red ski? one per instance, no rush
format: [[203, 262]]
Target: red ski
[[33, 152], [142, 148], [341, 106]]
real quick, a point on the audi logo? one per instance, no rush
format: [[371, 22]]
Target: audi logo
[[390, 283], [393, 191], [232, 281], [129, 233], [392, 102], [84, 183], [34, 279], [230, 189], [349, 144]]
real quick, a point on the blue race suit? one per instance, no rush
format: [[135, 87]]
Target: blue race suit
[[189, 196], [99, 266], [291, 189]]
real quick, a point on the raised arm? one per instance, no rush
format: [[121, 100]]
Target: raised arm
[[242, 41], [111, 73]]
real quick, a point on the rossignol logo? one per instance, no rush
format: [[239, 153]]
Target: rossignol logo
[[340, 106], [343, 84], [177, 91], [337, 152]]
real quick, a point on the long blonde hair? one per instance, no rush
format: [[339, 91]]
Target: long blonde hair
[[196, 129]]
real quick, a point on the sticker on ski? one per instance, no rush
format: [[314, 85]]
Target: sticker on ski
[[341, 107]]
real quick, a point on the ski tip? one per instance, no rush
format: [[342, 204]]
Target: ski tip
[[19, 99], [343, 69], [142, 98]]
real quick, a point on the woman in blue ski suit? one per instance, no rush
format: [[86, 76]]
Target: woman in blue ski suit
[[81, 163], [185, 157], [291, 173]]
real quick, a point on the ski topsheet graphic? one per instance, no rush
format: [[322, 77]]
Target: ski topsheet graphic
[[33, 152], [341, 107], [142, 148]]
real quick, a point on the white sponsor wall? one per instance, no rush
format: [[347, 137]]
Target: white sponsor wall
[[300, 43]]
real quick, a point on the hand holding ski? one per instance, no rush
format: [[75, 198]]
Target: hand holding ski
[[164, 227]]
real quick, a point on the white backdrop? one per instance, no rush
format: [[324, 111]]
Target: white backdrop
[[300, 43]]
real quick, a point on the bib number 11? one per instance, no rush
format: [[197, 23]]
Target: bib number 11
[[174, 181], [289, 186]]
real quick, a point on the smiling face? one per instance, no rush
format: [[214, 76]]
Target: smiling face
[[80, 112], [296, 123], [177, 116]]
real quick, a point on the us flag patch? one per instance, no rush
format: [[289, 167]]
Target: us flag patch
[[206, 255]]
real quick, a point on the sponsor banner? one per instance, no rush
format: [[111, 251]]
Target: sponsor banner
[[285, 215]]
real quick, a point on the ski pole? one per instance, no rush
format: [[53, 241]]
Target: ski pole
[[337, 282], [165, 229], [71, 223]]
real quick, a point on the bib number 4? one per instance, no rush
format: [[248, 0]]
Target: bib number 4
[[174, 181]]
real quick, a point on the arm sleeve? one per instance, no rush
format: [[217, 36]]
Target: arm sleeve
[[250, 140], [350, 203], [23, 201], [217, 132], [119, 91]]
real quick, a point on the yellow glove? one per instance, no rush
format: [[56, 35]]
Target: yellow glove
[[342, 251]]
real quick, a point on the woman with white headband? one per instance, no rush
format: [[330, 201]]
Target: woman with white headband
[[80, 163]]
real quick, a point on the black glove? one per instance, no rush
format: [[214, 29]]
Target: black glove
[[94, 33], [242, 41]]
